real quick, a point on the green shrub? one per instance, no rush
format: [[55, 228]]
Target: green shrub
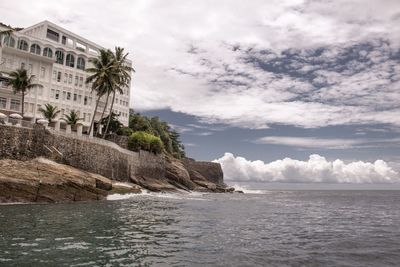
[[126, 131], [145, 141]]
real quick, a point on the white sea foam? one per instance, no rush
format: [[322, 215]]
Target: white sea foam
[[248, 191], [179, 195], [129, 185]]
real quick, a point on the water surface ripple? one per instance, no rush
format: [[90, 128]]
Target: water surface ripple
[[278, 228]]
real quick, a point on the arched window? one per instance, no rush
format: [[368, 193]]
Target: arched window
[[35, 49], [9, 41], [23, 45], [70, 61], [59, 57], [47, 52], [81, 63]]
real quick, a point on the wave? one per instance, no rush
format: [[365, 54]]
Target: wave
[[245, 190], [179, 195]]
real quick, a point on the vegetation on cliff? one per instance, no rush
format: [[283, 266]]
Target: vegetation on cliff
[[153, 127]]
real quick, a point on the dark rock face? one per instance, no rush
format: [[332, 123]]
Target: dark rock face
[[211, 171]]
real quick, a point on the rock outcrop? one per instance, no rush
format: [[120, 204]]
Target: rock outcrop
[[188, 175], [42, 180]]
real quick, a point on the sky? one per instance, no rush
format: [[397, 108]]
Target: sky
[[276, 91]]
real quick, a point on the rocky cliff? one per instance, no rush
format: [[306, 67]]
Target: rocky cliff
[[42, 180], [24, 178]]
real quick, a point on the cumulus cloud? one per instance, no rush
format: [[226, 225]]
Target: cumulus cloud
[[247, 63], [316, 170]]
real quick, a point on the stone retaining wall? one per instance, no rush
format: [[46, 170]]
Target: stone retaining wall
[[90, 154]]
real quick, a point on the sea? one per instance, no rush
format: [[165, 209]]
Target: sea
[[257, 228]]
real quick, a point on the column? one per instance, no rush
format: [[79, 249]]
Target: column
[[57, 126], [68, 130], [79, 129]]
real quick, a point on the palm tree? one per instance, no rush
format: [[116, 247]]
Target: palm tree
[[73, 118], [50, 112], [101, 79], [123, 77], [22, 83]]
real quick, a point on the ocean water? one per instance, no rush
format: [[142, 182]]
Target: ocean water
[[270, 228]]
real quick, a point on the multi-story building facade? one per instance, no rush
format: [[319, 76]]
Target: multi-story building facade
[[58, 59]]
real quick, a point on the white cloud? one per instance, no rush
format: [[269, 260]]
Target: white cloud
[[193, 56], [316, 170]]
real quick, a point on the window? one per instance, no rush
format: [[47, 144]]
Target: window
[[93, 51], [47, 52], [70, 61], [90, 100], [22, 65], [65, 77], [75, 97], [52, 35], [80, 47], [31, 107], [42, 72], [68, 95], [30, 68], [9, 41], [70, 79], [54, 74], [85, 100], [52, 93], [76, 80], [22, 45], [88, 117], [15, 104], [80, 81], [35, 49], [64, 95], [3, 102], [80, 99], [66, 41], [57, 94], [81, 63], [59, 57], [59, 76], [40, 91]]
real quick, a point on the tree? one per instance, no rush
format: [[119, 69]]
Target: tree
[[114, 123], [22, 83], [50, 112], [154, 126], [73, 118], [100, 78], [121, 75]]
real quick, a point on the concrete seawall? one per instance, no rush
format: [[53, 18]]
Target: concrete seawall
[[89, 154]]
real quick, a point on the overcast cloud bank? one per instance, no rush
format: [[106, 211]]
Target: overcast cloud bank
[[316, 170], [247, 63]]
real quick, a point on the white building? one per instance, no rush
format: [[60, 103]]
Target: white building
[[57, 58]]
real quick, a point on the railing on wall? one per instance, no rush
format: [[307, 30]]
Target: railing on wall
[[91, 139]]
